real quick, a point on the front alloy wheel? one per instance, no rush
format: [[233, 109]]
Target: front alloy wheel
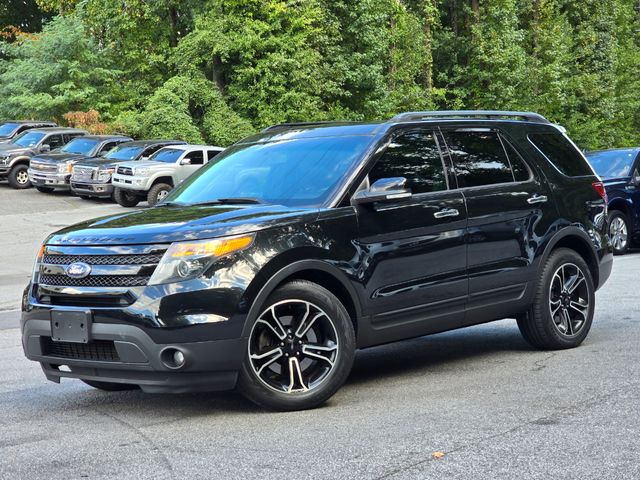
[[300, 348], [569, 300]]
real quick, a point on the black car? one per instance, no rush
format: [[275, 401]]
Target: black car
[[267, 268], [51, 171], [92, 177], [12, 128], [620, 170], [15, 155]]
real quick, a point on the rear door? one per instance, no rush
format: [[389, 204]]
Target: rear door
[[413, 252], [509, 210]]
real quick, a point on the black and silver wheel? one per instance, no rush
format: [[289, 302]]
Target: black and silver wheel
[[157, 193], [19, 177], [619, 232], [126, 198], [110, 386], [300, 349], [562, 312]]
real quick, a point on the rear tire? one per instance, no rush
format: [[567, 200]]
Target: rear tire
[[619, 232], [109, 386], [45, 189], [125, 198], [19, 178], [313, 342], [562, 311], [158, 193]]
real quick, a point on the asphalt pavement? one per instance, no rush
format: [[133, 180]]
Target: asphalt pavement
[[477, 403]]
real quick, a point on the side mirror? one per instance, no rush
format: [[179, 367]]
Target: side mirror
[[382, 190], [45, 148], [636, 180], [185, 161]]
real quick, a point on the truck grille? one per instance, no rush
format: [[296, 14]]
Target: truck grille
[[43, 167], [125, 170], [97, 350], [84, 174], [95, 281], [144, 259]]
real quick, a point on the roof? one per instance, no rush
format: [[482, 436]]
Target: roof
[[107, 137], [147, 143], [627, 149], [32, 122], [189, 148], [58, 130]]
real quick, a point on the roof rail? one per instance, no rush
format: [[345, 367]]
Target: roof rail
[[302, 124], [486, 114]]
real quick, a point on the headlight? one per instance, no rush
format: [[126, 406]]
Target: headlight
[[66, 167], [36, 265], [142, 171], [187, 260], [105, 175]]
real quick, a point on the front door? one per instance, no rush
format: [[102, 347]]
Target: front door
[[509, 210], [196, 161], [413, 253]]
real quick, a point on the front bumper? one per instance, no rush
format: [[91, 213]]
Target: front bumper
[[131, 183], [122, 353], [92, 189], [53, 180]]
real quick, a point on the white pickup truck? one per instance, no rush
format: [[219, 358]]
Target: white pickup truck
[[154, 178]]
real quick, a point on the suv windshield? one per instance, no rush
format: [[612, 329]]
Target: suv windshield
[[303, 173], [7, 129], [167, 155], [82, 146], [28, 139], [612, 164], [122, 152]]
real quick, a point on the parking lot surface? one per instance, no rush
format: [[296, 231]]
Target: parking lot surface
[[481, 397]]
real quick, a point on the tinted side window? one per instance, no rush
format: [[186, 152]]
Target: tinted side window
[[561, 153], [414, 155], [108, 146], [197, 157], [151, 150], [520, 170], [54, 141], [478, 158], [212, 153]]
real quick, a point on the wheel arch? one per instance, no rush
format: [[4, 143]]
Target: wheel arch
[[168, 179], [621, 205], [19, 161], [316, 271]]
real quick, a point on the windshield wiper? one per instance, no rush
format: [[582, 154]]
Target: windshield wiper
[[229, 201]]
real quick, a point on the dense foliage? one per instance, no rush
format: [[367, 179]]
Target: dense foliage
[[216, 70]]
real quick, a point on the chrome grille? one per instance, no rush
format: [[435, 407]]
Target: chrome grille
[[43, 167], [95, 281], [125, 170], [84, 174]]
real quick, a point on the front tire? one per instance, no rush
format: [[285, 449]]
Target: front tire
[[619, 232], [158, 193], [125, 198], [19, 178], [300, 349], [109, 386], [562, 312]]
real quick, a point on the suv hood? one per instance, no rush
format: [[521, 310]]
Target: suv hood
[[58, 157], [12, 149], [100, 162], [172, 224], [148, 164]]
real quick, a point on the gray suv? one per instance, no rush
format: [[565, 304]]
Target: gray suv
[[16, 155], [12, 128]]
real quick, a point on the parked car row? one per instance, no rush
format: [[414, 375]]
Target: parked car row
[[41, 154]]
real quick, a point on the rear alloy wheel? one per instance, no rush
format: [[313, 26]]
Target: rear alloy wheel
[[19, 178], [125, 198], [562, 312], [45, 189], [109, 386], [300, 349], [619, 232], [158, 193]]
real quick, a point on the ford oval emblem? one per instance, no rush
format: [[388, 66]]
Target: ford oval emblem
[[78, 270]]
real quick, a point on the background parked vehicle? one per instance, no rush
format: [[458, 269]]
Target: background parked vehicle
[[92, 177], [16, 155], [155, 178], [12, 128], [51, 171], [620, 170], [267, 268]]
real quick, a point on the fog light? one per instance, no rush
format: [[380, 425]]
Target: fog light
[[178, 358], [172, 358]]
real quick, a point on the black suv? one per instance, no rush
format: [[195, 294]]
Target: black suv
[[267, 268], [13, 128]]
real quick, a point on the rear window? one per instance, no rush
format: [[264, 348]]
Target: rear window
[[561, 153]]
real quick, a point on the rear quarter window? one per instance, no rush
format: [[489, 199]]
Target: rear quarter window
[[561, 153]]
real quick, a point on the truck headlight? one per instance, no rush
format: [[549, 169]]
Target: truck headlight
[[105, 175], [187, 260], [66, 167]]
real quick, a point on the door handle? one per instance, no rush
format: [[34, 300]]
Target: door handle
[[537, 199], [447, 212]]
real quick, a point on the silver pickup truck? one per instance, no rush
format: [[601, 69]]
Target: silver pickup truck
[[153, 179]]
